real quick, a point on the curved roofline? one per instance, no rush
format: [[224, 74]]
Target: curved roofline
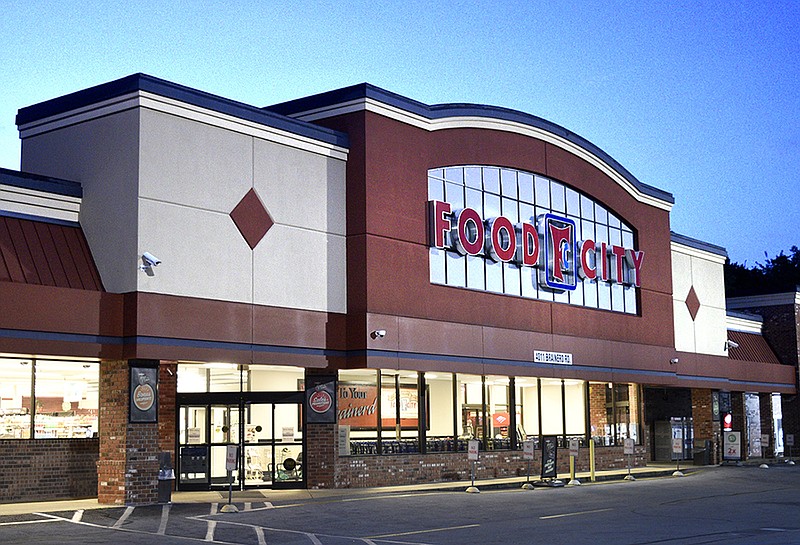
[[143, 82], [362, 91]]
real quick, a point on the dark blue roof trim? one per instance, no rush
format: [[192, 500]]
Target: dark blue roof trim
[[40, 183], [438, 111], [143, 82], [698, 244]]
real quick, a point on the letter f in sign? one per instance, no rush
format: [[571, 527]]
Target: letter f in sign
[[561, 250]]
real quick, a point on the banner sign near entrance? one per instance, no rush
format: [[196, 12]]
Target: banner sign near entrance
[[321, 400], [549, 451], [144, 393], [732, 447]]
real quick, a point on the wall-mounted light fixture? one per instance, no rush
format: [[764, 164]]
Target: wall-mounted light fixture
[[378, 334]]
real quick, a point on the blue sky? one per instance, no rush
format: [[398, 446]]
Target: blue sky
[[697, 98]]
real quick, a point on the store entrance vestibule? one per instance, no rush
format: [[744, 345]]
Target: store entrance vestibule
[[266, 427]]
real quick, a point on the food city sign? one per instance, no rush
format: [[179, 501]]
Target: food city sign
[[550, 245]]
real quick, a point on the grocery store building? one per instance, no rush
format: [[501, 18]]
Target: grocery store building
[[348, 287]]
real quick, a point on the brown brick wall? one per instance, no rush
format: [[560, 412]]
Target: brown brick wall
[[127, 469], [367, 471], [47, 469], [598, 417], [767, 427], [167, 407], [702, 415]]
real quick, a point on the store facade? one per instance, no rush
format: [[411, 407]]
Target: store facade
[[349, 287]]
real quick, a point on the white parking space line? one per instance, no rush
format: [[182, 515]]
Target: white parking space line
[[314, 539], [162, 528], [212, 525], [124, 517], [260, 535], [77, 516], [577, 513]]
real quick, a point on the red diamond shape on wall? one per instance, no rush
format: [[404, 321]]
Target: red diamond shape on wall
[[251, 218], [692, 303]]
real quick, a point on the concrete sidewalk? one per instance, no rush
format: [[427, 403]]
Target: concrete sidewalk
[[654, 470]]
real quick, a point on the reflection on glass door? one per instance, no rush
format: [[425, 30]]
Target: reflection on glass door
[[273, 444], [269, 438], [193, 451], [225, 424]]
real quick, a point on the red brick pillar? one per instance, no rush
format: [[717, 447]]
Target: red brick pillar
[[321, 443], [703, 419], [598, 416], [127, 468], [167, 409]]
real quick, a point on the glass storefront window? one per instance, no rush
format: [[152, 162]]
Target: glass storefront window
[[614, 412], [552, 409], [399, 407], [499, 413], [441, 435], [229, 377], [471, 413], [575, 406], [357, 408], [66, 399], [15, 398], [528, 407]]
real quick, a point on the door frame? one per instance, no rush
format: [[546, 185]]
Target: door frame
[[242, 400]]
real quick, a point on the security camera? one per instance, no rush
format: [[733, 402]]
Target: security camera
[[673, 361], [378, 334], [731, 344], [150, 260]]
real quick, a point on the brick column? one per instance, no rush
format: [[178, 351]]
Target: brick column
[[127, 468], [598, 417], [321, 442], [703, 419], [167, 407]]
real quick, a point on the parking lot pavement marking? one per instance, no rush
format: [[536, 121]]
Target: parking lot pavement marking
[[268, 505], [77, 516], [577, 513], [29, 521], [248, 506], [212, 525], [162, 528], [260, 536], [424, 531], [314, 539], [124, 517]]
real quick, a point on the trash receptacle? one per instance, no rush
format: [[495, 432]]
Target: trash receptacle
[[702, 456], [166, 474]]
